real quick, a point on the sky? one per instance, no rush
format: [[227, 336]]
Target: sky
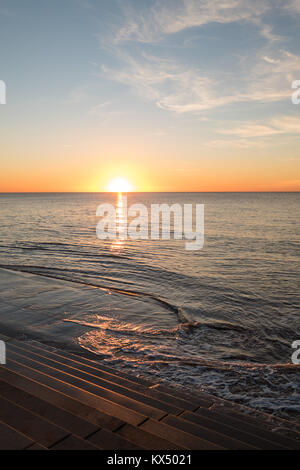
[[174, 95]]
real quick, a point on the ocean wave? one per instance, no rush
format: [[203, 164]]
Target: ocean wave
[[186, 318], [111, 325], [57, 273]]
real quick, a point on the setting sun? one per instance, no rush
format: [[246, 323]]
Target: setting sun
[[119, 185]]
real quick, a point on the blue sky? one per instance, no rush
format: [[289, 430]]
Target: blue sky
[[191, 85]]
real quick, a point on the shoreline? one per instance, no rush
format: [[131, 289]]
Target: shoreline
[[34, 366], [100, 395]]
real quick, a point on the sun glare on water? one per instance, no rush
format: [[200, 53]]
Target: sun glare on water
[[119, 185]]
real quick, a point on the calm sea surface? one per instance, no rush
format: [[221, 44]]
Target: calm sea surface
[[217, 319]]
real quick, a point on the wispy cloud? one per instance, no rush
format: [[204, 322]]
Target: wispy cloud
[[78, 95], [100, 107], [279, 125], [287, 124], [179, 87], [171, 86], [270, 60], [267, 32], [104, 111], [251, 130], [183, 89], [293, 6], [173, 16], [234, 143]]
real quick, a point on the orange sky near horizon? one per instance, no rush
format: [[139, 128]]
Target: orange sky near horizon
[[214, 180], [148, 163], [177, 99]]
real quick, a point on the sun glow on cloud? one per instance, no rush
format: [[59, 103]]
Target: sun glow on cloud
[[119, 185]]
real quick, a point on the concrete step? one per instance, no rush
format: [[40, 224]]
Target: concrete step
[[161, 391], [199, 430], [55, 397], [147, 440], [59, 364], [31, 425], [252, 426], [232, 414], [10, 439], [27, 358], [19, 365], [199, 399], [94, 362], [75, 443], [48, 400], [36, 447], [178, 437], [97, 371], [73, 424], [194, 440], [112, 441], [101, 438], [98, 408], [221, 425]]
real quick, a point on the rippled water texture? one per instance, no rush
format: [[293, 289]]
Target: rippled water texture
[[220, 319]]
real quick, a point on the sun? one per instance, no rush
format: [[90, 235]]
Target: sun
[[119, 185]]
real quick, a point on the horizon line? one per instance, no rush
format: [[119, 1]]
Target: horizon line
[[139, 192]]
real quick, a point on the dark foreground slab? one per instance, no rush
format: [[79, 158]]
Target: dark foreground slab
[[51, 399]]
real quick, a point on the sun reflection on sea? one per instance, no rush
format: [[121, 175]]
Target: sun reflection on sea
[[121, 225]]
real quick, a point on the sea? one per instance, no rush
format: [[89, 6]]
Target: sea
[[221, 319]]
